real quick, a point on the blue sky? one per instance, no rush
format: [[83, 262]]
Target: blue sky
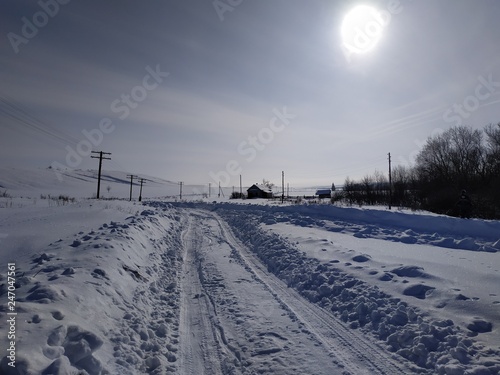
[[201, 91]]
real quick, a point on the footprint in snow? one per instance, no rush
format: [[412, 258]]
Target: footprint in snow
[[480, 326], [418, 291], [361, 258], [410, 271], [57, 315], [68, 271], [99, 274], [43, 294]]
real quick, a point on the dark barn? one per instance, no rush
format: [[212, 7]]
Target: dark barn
[[324, 193], [259, 191]]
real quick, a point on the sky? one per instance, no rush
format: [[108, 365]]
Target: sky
[[203, 91]]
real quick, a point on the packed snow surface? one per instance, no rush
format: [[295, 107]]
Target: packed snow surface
[[116, 287]]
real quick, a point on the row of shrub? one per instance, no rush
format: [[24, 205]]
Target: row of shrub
[[58, 200]]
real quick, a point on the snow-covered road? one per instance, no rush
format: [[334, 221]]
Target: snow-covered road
[[198, 288], [236, 317], [202, 341]]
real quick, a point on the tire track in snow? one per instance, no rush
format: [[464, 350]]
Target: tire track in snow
[[355, 352], [203, 343], [249, 340]]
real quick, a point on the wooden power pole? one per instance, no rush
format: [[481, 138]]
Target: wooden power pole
[[282, 186], [100, 157], [220, 190], [131, 183], [390, 182], [140, 193]]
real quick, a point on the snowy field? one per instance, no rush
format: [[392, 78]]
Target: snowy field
[[164, 287]]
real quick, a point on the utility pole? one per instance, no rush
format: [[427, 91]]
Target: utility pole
[[180, 194], [220, 190], [140, 194], [241, 189], [131, 183], [100, 157], [209, 189], [390, 182], [287, 190], [282, 186]]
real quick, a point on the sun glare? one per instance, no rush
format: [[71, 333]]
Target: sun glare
[[362, 29]]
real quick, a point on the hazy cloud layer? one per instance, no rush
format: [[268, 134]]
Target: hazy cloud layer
[[221, 82]]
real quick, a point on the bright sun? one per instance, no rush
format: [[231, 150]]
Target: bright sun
[[362, 29]]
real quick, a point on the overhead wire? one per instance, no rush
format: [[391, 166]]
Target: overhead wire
[[24, 117]]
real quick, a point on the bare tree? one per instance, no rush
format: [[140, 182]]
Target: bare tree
[[453, 157], [268, 184], [368, 186], [466, 154], [493, 149], [433, 160], [349, 191], [381, 180]]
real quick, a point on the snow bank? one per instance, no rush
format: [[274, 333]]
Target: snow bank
[[443, 231], [104, 301], [436, 345]]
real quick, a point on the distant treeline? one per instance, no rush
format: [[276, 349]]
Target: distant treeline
[[458, 159]]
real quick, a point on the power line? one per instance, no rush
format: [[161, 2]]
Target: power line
[[23, 116]]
